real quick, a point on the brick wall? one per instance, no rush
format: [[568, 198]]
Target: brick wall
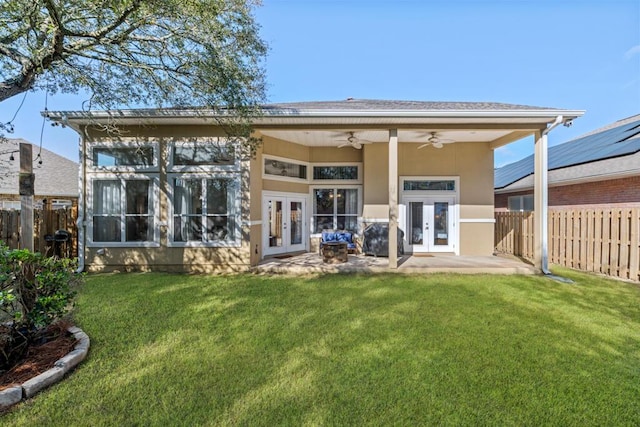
[[623, 192]]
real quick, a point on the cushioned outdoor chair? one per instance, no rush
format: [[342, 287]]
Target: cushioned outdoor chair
[[339, 237]]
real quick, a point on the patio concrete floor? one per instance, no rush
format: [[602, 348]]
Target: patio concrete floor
[[311, 263]]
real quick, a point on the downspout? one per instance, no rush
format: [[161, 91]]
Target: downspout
[[80, 223], [545, 196]]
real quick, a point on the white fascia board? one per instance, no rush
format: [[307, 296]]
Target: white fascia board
[[292, 116]]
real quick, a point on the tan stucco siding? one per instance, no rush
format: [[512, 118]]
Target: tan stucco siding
[[476, 239], [334, 154], [197, 260], [289, 150], [375, 197]]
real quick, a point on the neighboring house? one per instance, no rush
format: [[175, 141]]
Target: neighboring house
[[56, 178], [169, 194], [601, 168]]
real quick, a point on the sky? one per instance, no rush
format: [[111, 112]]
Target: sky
[[570, 54]]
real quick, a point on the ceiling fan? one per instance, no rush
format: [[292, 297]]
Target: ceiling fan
[[436, 141], [353, 141]]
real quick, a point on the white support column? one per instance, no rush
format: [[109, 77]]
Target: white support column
[[540, 203], [393, 198]]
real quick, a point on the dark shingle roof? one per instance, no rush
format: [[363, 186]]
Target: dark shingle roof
[[377, 104], [617, 139]]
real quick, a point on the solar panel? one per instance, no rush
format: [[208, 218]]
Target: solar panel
[[613, 142]]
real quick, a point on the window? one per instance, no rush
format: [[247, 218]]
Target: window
[[283, 169], [206, 210], [10, 205], [122, 210], [335, 209], [521, 203], [123, 156], [203, 155], [339, 173], [429, 185]]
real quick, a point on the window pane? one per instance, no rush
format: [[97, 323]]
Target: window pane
[[217, 198], [220, 228], [527, 202], [349, 223], [347, 201], [138, 229], [123, 156], [106, 229], [187, 228], [207, 153], [441, 223], [514, 203], [323, 201], [106, 197], [279, 168], [137, 196], [335, 172], [322, 222], [187, 196], [444, 185]]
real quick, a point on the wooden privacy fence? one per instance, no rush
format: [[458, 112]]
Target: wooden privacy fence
[[45, 223], [598, 240]]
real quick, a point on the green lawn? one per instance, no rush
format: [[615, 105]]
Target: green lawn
[[350, 350]]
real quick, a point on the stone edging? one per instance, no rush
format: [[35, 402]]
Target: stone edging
[[15, 394]]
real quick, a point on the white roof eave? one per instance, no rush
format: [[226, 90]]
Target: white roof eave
[[317, 117]]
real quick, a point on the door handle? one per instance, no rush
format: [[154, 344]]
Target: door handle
[[426, 226]]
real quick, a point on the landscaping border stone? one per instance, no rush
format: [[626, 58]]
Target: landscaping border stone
[[64, 365]]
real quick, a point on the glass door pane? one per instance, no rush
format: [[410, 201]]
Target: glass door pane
[[441, 223], [295, 225], [275, 223], [416, 222]]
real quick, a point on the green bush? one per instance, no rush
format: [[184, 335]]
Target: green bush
[[35, 291]]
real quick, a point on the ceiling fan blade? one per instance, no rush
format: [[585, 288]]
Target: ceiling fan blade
[[424, 145], [438, 144], [344, 145]]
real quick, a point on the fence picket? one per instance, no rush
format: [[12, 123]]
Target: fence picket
[[603, 240], [44, 222]]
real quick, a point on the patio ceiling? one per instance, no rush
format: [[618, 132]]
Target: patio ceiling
[[333, 138]]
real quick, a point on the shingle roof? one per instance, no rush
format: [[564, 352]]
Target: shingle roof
[[620, 138], [378, 104], [57, 176]]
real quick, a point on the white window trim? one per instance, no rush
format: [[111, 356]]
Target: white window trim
[[332, 187], [91, 167], [201, 168], [154, 206], [454, 192], [358, 180], [265, 175], [237, 242]]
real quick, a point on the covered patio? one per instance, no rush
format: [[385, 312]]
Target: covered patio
[[311, 263]]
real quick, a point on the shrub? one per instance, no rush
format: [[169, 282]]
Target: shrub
[[35, 291]]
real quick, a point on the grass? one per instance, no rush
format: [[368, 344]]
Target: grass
[[350, 350]]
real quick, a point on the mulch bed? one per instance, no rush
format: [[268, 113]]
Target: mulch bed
[[40, 358]]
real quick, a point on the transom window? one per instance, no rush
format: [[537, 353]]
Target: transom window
[[284, 169], [206, 210], [335, 209], [429, 185], [122, 210], [110, 157], [206, 153], [327, 173]]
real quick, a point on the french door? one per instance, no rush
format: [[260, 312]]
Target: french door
[[429, 224], [284, 224]]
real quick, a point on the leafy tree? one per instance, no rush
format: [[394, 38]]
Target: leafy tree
[[163, 53], [168, 52]]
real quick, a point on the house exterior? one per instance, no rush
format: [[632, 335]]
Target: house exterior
[[601, 168], [56, 177], [169, 193]]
